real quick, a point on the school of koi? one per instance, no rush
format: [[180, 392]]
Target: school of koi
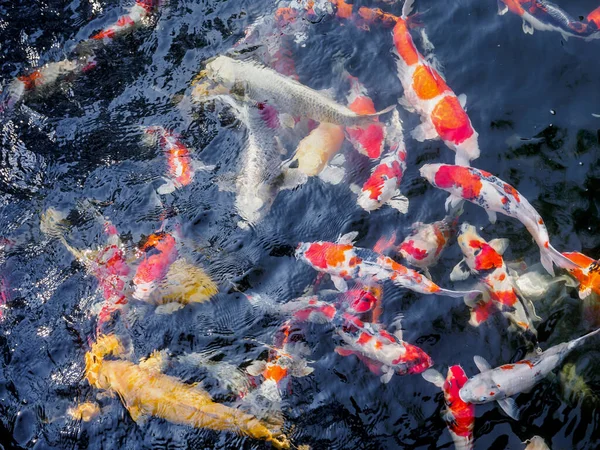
[[258, 81]]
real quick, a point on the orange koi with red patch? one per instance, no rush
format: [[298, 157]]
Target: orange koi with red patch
[[588, 275], [136, 15]]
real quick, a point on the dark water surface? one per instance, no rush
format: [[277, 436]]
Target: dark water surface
[[85, 143]]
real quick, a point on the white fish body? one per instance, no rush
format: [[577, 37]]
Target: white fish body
[[252, 81]]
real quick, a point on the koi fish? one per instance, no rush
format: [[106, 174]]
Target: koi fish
[[424, 246], [251, 81], [159, 251], [342, 261], [134, 18], [382, 187], [543, 15], [503, 382], [367, 140], [315, 152], [588, 274], [382, 352], [494, 195], [426, 93], [459, 415], [107, 264], [181, 166], [145, 391], [185, 283], [47, 75], [484, 259]]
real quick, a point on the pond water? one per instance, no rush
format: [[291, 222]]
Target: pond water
[[531, 98]]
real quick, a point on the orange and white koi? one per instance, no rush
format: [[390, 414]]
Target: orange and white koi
[[342, 261], [426, 93], [50, 73], [383, 185], [181, 167], [503, 382], [543, 15], [484, 259], [459, 415], [145, 391], [159, 251], [588, 274], [366, 140], [494, 195]]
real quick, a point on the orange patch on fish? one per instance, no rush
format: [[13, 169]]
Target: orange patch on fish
[[404, 43], [451, 121], [364, 338], [488, 258], [508, 298], [327, 254], [32, 80], [594, 17], [415, 252], [372, 15], [427, 83], [275, 372]]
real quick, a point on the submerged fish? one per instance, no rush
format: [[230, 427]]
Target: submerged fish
[[494, 195], [107, 264], [459, 415], [181, 166], [342, 261], [250, 81], [159, 251], [501, 383], [484, 260], [145, 391], [83, 60], [536, 443], [314, 154], [383, 185], [543, 15]]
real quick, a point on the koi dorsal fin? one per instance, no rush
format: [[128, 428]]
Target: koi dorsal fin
[[500, 245], [434, 377], [348, 238]]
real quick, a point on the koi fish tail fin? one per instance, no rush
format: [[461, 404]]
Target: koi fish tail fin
[[363, 120], [407, 8], [549, 256], [594, 17], [580, 341], [385, 243]]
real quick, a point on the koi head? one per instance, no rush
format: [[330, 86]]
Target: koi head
[[360, 301], [414, 360], [221, 70], [455, 380], [464, 182], [479, 255], [478, 390]]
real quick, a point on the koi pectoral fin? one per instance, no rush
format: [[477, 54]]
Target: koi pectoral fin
[[509, 406], [527, 27]]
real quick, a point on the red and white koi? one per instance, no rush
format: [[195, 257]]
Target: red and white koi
[[494, 195], [459, 415], [382, 186], [543, 15], [135, 17], [366, 140], [503, 382], [342, 261], [484, 259], [181, 167], [159, 252]]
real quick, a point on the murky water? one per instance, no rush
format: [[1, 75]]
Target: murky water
[[531, 98]]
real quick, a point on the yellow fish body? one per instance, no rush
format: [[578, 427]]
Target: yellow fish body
[[145, 391]]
